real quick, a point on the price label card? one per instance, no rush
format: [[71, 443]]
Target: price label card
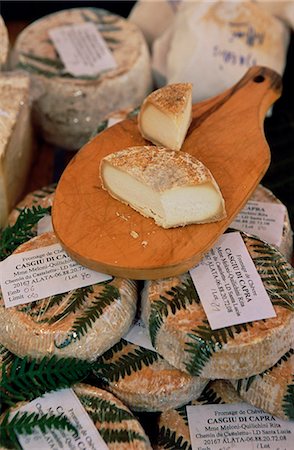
[[228, 284], [36, 274], [237, 426], [263, 219], [82, 49], [62, 402], [138, 335]]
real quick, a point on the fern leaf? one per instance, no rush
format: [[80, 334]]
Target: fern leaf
[[288, 401], [54, 63], [209, 396], [77, 299], [113, 350], [13, 236], [104, 411], [111, 436], [182, 411], [25, 423], [168, 439]]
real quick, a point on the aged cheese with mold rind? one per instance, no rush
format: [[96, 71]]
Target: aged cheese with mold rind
[[16, 139], [173, 188], [273, 389], [173, 424], [144, 381], [166, 114], [82, 323], [67, 109], [4, 44], [180, 332]]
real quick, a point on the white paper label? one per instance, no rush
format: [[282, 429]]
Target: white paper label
[[36, 274], [229, 287], [265, 220], [60, 402], [113, 121], [237, 426], [138, 335], [44, 225], [82, 49]]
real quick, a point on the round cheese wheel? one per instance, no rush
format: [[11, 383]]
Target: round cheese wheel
[[173, 424], [82, 323], [41, 197], [67, 109], [4, 47], [273, 389], [262, 194], [144, 381], [180, 332]]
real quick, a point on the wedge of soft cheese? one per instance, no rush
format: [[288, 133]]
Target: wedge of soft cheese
[[173, 188], [15, 139], [166, 115]]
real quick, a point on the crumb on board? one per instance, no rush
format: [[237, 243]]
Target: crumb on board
[[122, 216], [144, 243], [134, 234]]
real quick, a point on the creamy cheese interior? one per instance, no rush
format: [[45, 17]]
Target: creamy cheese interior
[[165, 129], [175, 207]]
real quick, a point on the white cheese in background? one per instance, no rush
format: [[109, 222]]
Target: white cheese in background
[[4, 44], [15, 139], [67, 109]]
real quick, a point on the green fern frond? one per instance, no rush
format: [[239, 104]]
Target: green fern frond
[[54, 63], [177, 298], [208, 396], [26, 379], [288, 401], [25, 423], [182, 411], [168, 440], [6, 357], [76, 300], [13, 236], [102, 410], [109, 354], [110, 436], [35, 70], [205, 341], [133, 361]]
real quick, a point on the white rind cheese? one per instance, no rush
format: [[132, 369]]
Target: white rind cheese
[[180, 332], [144, 381], [67, 110], [166, 115], [172, 187], [16, 139], [44, 327], [272, 390], [173, 424], [4, 44]]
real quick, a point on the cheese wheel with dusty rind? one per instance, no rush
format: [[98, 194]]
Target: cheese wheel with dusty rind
[[4, 44], [173, 424], [144, 381], [40, 197], [273, 389], [67, 109], [180, 332], [82, 323]]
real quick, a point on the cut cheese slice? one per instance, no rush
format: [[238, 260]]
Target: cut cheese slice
[[144, 381], [166, 114], [262, 194], [180, 332], [82, 323], [41, 197], [16, 144], [4, 44], [67, 109], [173, 188], [173, 424], [273, 389]]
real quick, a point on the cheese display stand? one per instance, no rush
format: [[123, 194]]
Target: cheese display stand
[[180, 356]]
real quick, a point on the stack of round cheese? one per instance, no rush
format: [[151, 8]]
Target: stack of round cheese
[[4, 44], [144, 381], [82, 323], [68, 109], [173, 424], [180, 332]]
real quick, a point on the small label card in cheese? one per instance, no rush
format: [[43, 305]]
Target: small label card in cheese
[[263, 219], [229, 287], [138, 335], [36, 274], [62, 402], [237, 426], [44, 225], [82, 49]]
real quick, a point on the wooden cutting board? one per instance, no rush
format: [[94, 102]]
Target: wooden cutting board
[[226, 134]]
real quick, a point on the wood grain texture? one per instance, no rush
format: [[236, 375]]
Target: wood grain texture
[[226, 134]]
